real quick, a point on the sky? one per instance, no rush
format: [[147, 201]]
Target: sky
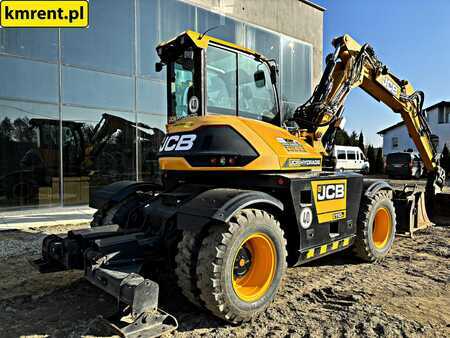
[[411, 37]]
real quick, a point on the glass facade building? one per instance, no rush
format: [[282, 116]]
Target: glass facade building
[[81, 108]]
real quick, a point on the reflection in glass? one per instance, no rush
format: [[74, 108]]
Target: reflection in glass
[[29, 154], [296, 71], [151, 96], [220, 26], [108, 42], [148, 36], [30, 80], [35, 43], [95, 89], [176, 17], [99, 142], [264, 42], [98, 148], [151, 132]]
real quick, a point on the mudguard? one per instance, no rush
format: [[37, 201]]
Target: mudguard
[[118, 191], [372, 186], [220, 205]]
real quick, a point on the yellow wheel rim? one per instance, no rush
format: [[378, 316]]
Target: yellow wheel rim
[[382, 228], [254, 267]]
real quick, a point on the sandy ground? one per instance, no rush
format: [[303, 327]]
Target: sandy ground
[[407, 295]]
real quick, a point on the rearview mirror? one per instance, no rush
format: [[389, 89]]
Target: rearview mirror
[[158, 67], [260, 78]]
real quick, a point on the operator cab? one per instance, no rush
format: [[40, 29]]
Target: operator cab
[[239, 81]]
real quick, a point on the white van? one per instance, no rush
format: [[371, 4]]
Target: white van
[[350, 159]]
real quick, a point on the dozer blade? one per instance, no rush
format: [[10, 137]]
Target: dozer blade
[[411, 211], [141, 318], [438, 207]]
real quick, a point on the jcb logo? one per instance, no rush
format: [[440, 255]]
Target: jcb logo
[[330, 192], [178, 142]]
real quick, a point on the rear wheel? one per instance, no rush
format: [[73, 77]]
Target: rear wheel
[[127, 213], [186, 261], [376, 227], [241, 265]]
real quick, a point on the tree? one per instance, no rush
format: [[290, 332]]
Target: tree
[[6, 129], [445, 159], [371, 159], [361, 141], [379, 162], [22, 130], [342, 138], [353, 139]]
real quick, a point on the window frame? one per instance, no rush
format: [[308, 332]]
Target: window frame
[[395, 142]]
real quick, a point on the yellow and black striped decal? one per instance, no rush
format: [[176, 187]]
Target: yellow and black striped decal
[[326, 248], [330, 198]]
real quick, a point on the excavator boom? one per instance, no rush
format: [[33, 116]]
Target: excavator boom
[[352, 66]]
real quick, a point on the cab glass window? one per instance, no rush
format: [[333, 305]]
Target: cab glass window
[[221, 81], [256, 94], [181, 87]]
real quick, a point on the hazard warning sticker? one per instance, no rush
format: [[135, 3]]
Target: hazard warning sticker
[[291, 146]]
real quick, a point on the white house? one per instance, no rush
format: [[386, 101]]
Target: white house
[[396, 138]]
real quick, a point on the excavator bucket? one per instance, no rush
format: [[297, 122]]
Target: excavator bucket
[[438, 207], [411, 211]]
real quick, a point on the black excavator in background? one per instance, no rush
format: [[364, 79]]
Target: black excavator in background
[[244, 192]]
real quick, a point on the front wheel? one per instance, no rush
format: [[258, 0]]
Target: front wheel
[[241, 265], [376, 227]]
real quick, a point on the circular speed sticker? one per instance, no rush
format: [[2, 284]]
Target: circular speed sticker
[[306, 217], [193, 104]]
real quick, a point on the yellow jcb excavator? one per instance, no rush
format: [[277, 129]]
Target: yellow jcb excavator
[[244, 192]]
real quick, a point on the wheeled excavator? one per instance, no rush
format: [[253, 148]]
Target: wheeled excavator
[[244, 192]]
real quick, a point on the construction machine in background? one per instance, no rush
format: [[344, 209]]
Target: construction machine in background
[[244, 194], [98, 155]]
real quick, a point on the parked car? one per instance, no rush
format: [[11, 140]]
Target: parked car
[[404, 165], [348, 158]]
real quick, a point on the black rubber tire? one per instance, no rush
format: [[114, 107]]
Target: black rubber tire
[[185, 264], [106, 215], [216, 259], [364, 246]]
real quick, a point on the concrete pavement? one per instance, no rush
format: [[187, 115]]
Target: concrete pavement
[[34, 218]]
